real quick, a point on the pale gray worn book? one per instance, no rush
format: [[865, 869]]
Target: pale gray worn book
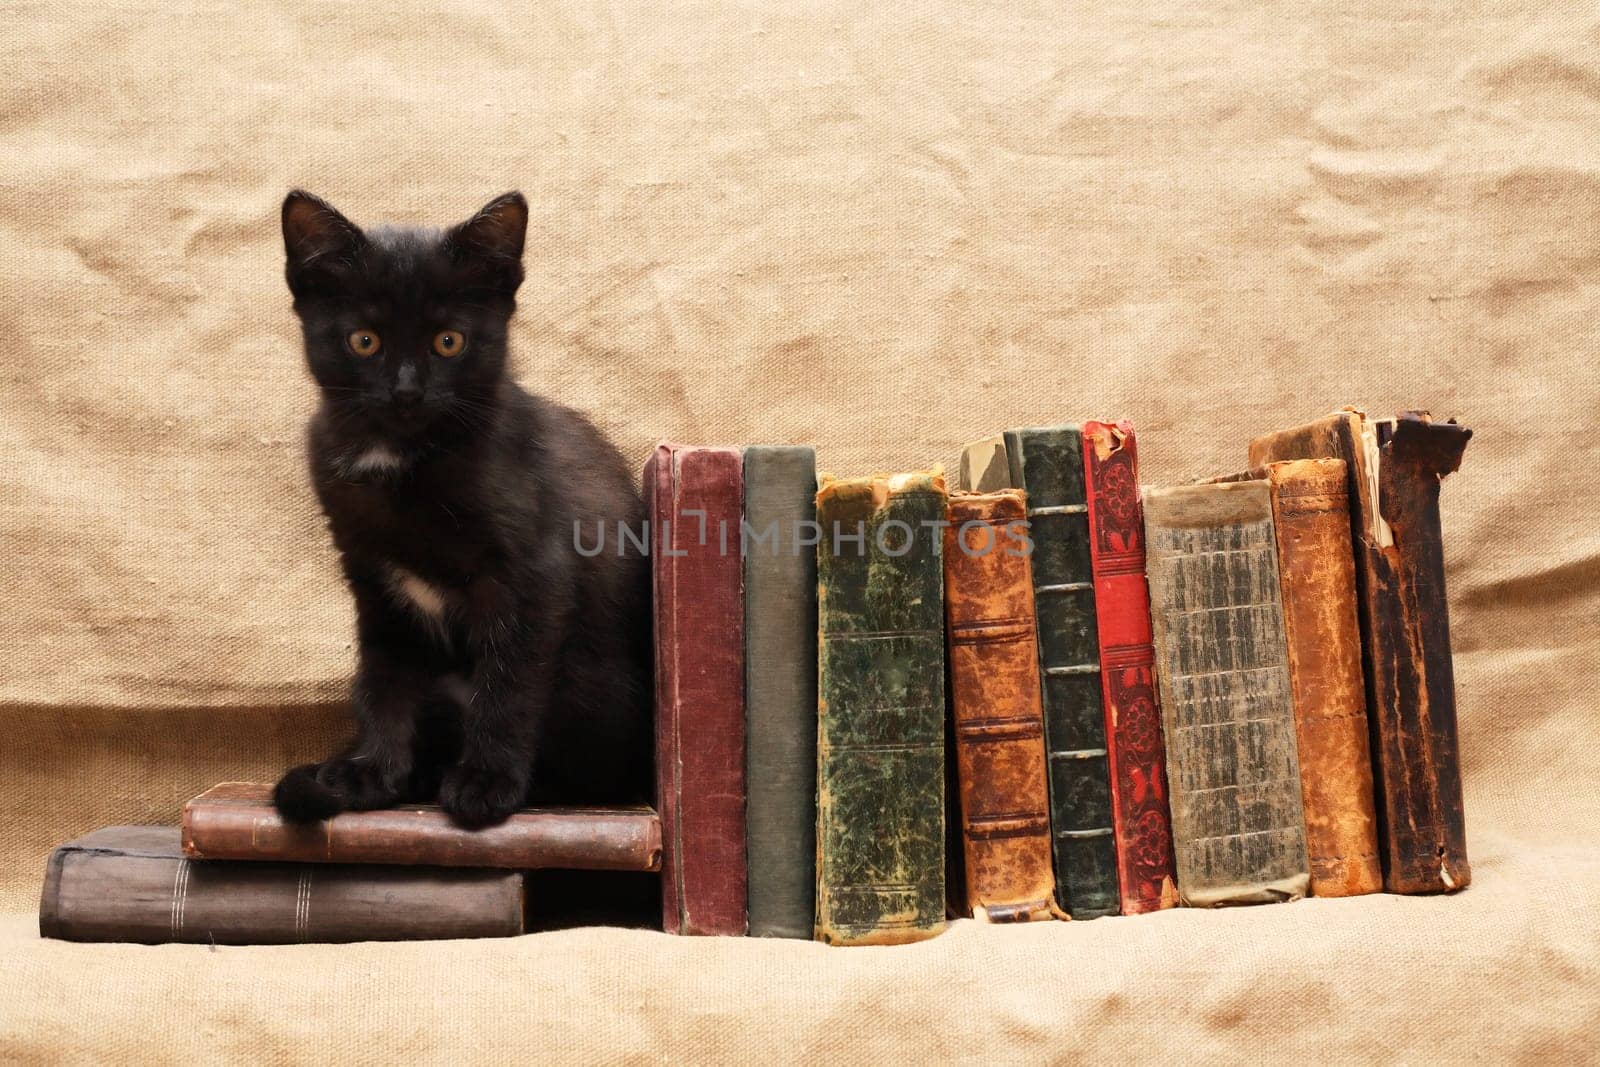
[[1226, 705], [780, 583]]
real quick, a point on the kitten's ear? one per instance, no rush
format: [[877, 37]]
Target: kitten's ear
[[313, 230], [494, 235]]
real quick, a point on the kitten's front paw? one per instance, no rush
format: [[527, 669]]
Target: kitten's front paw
[[360, 782], [300, 798], [476, 796]]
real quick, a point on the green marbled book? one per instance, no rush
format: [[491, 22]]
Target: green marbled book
[[880, 709]]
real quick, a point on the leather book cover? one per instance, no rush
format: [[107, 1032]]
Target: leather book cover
[[236, 821], [780, 679], [1047, 464], [696, 504], [880, 709], [1316, 565], [134, 883], [1238, 827], [1140, 814], [996, 709], [1393, 473]]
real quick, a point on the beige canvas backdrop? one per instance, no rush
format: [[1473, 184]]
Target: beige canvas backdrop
[[882, 229]]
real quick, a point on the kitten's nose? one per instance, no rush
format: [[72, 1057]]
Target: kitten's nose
[[407, 391]]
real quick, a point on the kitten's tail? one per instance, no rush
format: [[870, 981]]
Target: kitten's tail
[[299, 797]]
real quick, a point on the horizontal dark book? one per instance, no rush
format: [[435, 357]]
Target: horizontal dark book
[[133, 883], [236, 821]]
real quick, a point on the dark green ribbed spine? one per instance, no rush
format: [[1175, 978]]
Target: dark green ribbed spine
[[1048, 464]]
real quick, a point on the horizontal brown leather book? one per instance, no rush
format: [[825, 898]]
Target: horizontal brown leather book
[[236, 821], [133, 883]]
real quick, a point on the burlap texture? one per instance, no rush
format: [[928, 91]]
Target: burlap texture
[[883, 229]]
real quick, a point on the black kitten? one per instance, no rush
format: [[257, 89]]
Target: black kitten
[[498, 666]]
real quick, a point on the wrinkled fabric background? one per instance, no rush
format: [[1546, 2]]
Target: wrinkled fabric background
[[882, 229]]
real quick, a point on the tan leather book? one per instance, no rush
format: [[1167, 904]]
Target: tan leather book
[[1317, 576], [996, 708], [236, 821]]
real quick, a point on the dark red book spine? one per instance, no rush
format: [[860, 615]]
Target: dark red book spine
[[696, 502], [1141, 817]]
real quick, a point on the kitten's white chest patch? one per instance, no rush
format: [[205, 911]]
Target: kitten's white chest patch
[[373, 460], [423, 597]]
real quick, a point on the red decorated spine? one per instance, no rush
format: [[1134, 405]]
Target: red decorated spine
[[1141, 818]]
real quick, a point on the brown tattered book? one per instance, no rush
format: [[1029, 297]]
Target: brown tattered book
[[133, 883], [236, 821], [996, 709]]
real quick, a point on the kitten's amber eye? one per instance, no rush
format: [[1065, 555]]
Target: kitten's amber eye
[[449, 343], [363, 343]]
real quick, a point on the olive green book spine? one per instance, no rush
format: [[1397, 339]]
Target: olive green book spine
[[780, 688]]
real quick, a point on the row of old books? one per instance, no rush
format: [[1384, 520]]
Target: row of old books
[[1052, 692], [1048, 693]]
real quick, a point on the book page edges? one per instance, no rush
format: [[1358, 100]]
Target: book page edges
[[1274, 892]]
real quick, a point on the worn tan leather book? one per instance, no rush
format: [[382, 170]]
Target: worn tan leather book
[[1394, 468], [236, 821], [996, 709], [1316, 571], [1216, 611], [133, 883]]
